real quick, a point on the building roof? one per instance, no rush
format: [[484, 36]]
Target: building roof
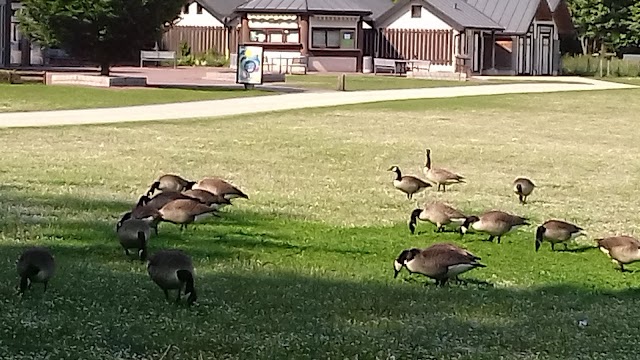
[[456, 13], [221, 9], [298, 6], [514, 15], [553, 4]]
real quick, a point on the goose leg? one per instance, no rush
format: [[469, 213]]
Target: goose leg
[[444, 188], [490, 238], [553, 247], [499, 237], [126, 252], [166, 294], [45, 286], [443, 281], [566, 247]]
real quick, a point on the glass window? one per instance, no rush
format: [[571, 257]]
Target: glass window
[[199, 9], [293, 37], [275, 37], [186, 9], [333, 38], [318, 38], [347, 39], [257, 36]]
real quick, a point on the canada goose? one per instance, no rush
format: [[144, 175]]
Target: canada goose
[[184, 212], [437, 213], [35, 265], [208, 198], [221, 187], [557, 231], [170, 182], [134, 234], [146, 213], [523, 187], [440, 176], [161, 199], [408, 184], [171, 270], [495, 223], [622, 250], [440, 261]]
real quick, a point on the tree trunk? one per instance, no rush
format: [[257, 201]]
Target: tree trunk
[[104, 68]]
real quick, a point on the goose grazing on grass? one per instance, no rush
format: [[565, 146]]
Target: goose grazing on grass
[[134, 234], [35, 265], [146, 213], [212, 200], [523, 187], [220, 187], [557, 231], [439, 176], [408, 184], [185, 212], [173, 270], [170, 182], [437, 213], [440, 261], [622, 250], [162, 199], [495, 223]]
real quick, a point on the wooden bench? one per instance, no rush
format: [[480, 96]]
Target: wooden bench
[[158, 56], [298, 63], [421, 65], [386, 64]]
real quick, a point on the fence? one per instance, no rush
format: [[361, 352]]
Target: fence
[[434, 45], [200, 38]]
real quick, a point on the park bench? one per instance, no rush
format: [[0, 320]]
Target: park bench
[[384, 64], [158, 56]]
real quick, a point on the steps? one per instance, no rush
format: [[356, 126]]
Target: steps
[[31, 76]]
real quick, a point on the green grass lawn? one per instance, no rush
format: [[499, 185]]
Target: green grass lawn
[[377, 82], [303, 269], [33, 97]]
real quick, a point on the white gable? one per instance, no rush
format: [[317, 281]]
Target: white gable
[[403, 20], [195, 19]]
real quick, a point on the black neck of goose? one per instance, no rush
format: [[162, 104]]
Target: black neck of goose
[[398, 174], [414, 217], [428, 164], [190, 289]]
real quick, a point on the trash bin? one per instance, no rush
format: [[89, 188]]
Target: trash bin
[[367, 64]]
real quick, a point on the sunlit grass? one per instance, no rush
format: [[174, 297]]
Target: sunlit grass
[[303, 269]]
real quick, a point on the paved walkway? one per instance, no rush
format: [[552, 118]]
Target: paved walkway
[[250, 105]]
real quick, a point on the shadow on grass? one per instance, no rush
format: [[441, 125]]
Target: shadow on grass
[[265, 314]]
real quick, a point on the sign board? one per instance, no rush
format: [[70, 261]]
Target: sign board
[[249, 70]]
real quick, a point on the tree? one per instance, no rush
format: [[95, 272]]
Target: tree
[[605, 25], [104, 31]]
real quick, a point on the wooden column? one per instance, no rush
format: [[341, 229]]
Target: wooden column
[[493, 50], [303, 33], [359, 45], [481, 52], [245, 34], [5, 33]]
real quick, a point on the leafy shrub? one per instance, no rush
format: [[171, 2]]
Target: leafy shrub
[[588, 65]]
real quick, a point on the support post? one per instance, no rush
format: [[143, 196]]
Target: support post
[[245, 32], [493, 51], [303, 26]]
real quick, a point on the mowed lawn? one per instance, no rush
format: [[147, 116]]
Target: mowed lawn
[[34, 97], [303, 269]]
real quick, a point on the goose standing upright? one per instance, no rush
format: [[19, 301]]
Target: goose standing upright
[[408, 184], [441, 177]]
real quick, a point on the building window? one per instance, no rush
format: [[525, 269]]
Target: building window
[[416, 11], [186, 9], [199, 9], [274, 36], [333, 38]]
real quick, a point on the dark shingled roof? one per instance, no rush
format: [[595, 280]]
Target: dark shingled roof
[[296, 6], [458, 14], [221, 8], [514, 15]]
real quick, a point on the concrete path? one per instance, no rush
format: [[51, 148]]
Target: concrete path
[[250, 105]]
